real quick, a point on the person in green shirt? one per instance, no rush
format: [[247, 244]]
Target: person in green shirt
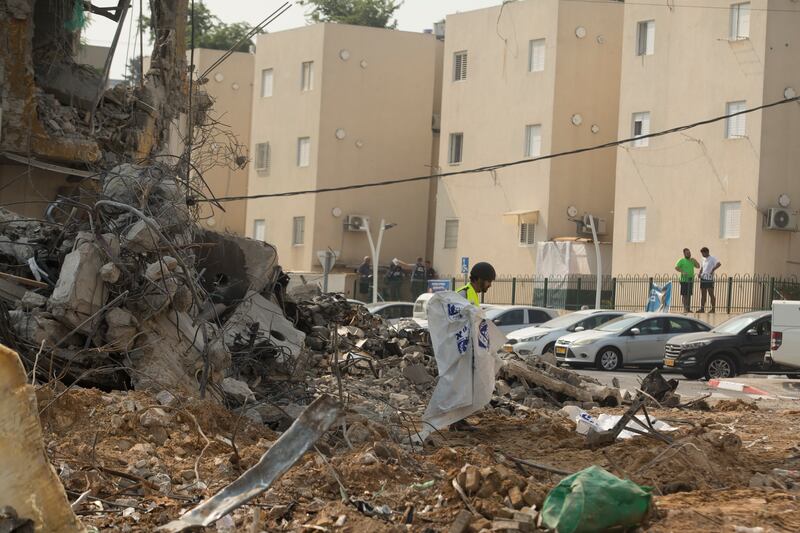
[[686, 266]]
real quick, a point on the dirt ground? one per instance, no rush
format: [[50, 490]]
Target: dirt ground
[[141, 461]]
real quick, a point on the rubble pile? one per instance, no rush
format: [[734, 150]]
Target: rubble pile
[[128, 292]]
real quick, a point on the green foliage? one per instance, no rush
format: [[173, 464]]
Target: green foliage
[[133, 72], [210, 31], [375, 13]]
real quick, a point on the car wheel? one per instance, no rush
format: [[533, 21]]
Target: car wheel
[[550, 348], [720, 367], [609, 359]]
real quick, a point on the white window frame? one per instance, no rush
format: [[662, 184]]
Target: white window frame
[[536, 55], [298, 231], [260, 229], [303, 152], [533, 140], [267, 81], [307, 76], [740, 22], [527, 234], [642, 117], [451, 225], [460, 60], [730, 220], [645, 38], [637, 224], [736, 127], [263, 161], [455, 155]]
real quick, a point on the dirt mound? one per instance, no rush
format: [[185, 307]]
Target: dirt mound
[[725, 406]]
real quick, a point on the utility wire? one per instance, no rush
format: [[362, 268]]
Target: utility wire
[[496, 166]]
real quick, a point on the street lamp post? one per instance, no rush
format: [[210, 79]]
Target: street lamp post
[[599, 262], [376, 250]]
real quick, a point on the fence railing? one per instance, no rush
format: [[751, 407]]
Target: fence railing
[[734, 294]]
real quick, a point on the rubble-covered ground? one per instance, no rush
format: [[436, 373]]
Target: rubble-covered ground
[[735, 465]]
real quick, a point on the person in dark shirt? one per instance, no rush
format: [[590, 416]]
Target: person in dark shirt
[[431, 272], [364, 271], [394, 280]]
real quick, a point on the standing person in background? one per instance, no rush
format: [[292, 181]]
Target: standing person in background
[[686, 266], [710, 265], [364, 271], [394, 280], [419, 277], [430, 271]]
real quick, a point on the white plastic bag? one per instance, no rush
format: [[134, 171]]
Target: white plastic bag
[[465, 345]]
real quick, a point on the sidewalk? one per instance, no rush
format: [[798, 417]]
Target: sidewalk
[[769, 386]]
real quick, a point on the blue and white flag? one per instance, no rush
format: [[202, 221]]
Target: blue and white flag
[[660, 297]]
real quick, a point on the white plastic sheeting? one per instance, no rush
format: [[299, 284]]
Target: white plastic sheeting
[[465, 346], [563, 258]]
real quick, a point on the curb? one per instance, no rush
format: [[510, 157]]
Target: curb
[[735, 386]]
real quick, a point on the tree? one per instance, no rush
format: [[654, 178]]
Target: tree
[[133, 74], [211, 32], [375, 13]]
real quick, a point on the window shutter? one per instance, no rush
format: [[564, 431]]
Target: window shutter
[[641, 126], [637, 224], [259, 230], [533, 140], [536, 55], [736, 126], [266, 83], [460, 66], [744, 21], [527, 234], [451, 233], [730, 220], [303, 152], [650, 45]]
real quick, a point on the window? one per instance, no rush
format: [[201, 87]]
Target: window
[[640, 127], [538, 317], [654, 326], [460, 66], [637, 224], [735, 127], [307, 77], [303, 151], [740, 21], [536, 55], [533, 140], [451, 233], [646, 38], [730, 217], [514, 317], [298, 231], [527, 233], [260, 230], [263, 159], [266, 83], [456, 148], [681, 325]]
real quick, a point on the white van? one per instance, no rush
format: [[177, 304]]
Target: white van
[[421, 305], [785, 338]]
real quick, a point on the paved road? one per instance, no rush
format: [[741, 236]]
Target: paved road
[[690, 389]]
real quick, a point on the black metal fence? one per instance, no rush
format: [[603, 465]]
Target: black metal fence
[[734, 294]]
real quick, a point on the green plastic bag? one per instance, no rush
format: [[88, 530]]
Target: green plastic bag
[[595, 500]]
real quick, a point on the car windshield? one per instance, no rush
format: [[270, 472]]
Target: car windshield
[[735, 324], [563, 321], [495, 312], [619, 324], [375, 307]]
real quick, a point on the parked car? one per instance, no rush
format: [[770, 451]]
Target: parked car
[[785, 339], [392, 311], [510, 318], [734, 347], [541, 339], [633, 339], [421, 305]]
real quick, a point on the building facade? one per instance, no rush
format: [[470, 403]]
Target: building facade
[[716, 185], [338, 105], [524, 80], [230, 85]]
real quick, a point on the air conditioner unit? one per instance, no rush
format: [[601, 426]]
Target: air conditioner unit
[[438, 29], [436, 123], [781, 219], [584, 228], [356, 223]]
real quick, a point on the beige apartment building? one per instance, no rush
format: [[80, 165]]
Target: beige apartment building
[[230, 85], [338, 105], [732, 185], [523, 80]]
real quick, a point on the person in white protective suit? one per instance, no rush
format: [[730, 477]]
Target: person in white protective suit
[[465, 345]]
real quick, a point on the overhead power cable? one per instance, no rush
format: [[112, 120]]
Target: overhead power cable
[[496, 166]]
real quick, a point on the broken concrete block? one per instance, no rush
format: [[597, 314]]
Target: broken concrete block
[[501, 387], [160, 269], [122, 327], [166, 398], [38, 327], [141, 238], [28, 482], [417, 374], [80, 292], [155, 417], [472, 479], [110, 273], [515, 497], [247, 265], [32, 300], [238, 390], [254, 415], [271, 323], [358, 433]]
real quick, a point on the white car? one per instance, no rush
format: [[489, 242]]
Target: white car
[[392, 311], [510, 318], [541, 339], [632, 339]]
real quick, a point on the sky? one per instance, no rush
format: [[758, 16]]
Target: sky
[[414, 15]]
